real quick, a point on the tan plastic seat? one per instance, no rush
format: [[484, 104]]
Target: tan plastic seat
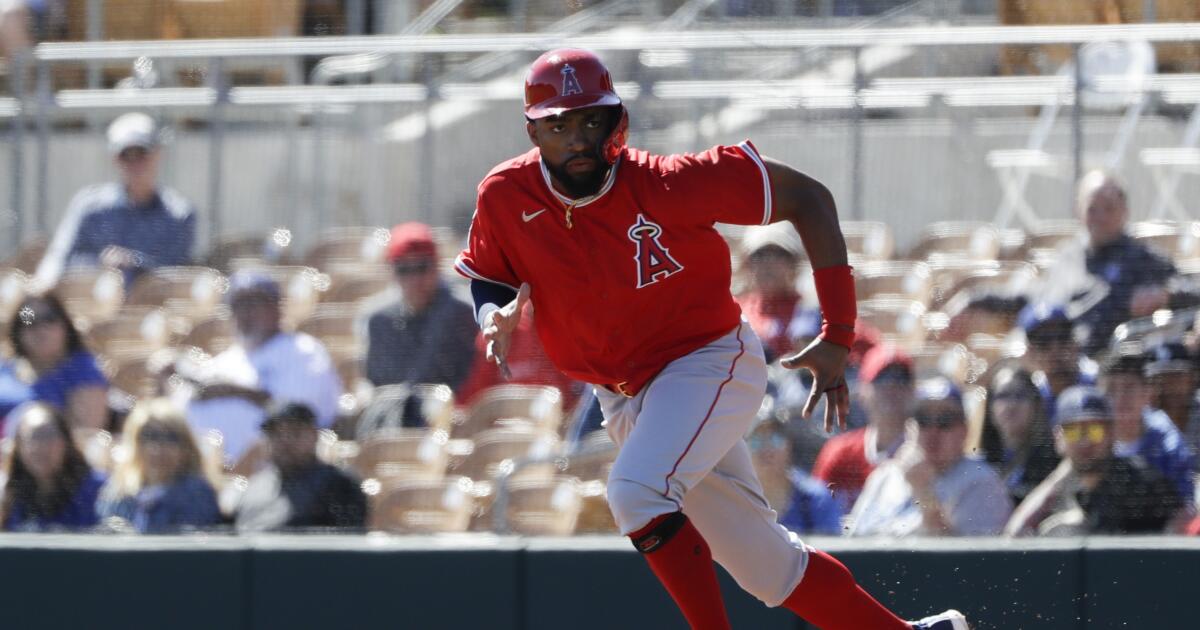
[[540, 405], [356, 282], [424, 506], [191, 292], [496, 451], [1176, 240], [1051, 234], [900, 321], [333, 324], [894, 279], [28, 256], [133, 377], [544, 507], [403, 454], [870, 240], [13, 286], [133, 331], [970, 239], [91, 294], [349, 244], [212, 335]]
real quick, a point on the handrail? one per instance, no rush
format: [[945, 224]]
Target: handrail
[[617, 40], [882, 93]]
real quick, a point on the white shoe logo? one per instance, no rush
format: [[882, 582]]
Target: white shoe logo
[[529, 216]]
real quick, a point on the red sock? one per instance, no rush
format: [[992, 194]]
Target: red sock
[[829, 598], [684, 565]]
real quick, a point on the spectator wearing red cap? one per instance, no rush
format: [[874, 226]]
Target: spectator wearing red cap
[[417, 331], [886, 389]]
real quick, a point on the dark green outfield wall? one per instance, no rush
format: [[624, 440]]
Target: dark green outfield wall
[[578, 584]]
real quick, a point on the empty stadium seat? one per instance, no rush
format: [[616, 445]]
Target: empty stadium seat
[[191, 292], [91, 294], [333, 324], [1175, 240], [250, 250], [212, 335], [870, 240], [133, 377], [541, 405], [900, 279], [13, 284], [543, 507], [898, 320], [423, 506], [28, 256], [496, 450], [133, 332], [354, 282], [1051, 234], [403, 454], [349, 245], [970, 239]]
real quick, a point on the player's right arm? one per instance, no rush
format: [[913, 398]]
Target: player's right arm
[[498, 294], [498, 322]]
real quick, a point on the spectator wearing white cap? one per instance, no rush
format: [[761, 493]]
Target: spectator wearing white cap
[[771, 303], [134, 224], [265, 364]]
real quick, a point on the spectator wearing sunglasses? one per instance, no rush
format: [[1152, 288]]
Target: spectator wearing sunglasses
[[1094, 491], [54, 364], [804, 504], [931, 487], [134, 224], [163, 484], [417, 331]]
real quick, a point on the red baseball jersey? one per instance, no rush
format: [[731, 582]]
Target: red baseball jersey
[[629, 279]]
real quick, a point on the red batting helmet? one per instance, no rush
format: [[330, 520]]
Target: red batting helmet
[[569, 78]]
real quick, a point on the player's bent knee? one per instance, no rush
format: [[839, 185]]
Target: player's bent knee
[[659, 532], [634, 504]]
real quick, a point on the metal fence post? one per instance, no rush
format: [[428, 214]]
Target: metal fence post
[[18, 65], [856, 139], [95, 32], [1076, 125], [42, 172], [216, 144]]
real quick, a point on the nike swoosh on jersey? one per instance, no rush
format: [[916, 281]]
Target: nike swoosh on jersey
[[528, 216]]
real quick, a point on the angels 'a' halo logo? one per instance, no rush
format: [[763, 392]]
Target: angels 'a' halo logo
[[654, 262], [570, 84]]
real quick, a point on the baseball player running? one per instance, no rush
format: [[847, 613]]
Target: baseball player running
[[616, 249]]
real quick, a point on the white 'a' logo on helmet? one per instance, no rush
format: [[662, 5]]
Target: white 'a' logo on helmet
[[570, 82]]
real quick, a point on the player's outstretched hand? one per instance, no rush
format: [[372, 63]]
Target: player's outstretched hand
[[827, 362], [498, 328]]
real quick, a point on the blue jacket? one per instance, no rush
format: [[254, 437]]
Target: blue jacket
[[189, 502], [78, 513], [811, 508], [1162, 447]]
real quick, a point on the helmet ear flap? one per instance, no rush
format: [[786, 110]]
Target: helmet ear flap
[[617, 138]]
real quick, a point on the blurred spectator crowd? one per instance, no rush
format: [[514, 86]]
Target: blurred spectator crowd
[[1005, 382]]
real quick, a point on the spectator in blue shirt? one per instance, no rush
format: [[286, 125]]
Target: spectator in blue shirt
[[49, 485], [163, 486], [1141, 430], [132, 225], [1130, 277], [804, 505], [61, 370]]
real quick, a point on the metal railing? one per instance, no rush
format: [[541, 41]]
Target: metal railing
[[859, 93]]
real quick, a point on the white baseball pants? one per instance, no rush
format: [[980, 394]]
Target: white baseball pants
[[681, 441]]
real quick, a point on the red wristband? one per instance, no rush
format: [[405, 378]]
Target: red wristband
[[839, 307]]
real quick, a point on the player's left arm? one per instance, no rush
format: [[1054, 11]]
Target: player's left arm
[[809, 206]]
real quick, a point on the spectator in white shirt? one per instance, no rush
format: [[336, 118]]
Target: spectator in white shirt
[[931, 488], [264, 364]]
